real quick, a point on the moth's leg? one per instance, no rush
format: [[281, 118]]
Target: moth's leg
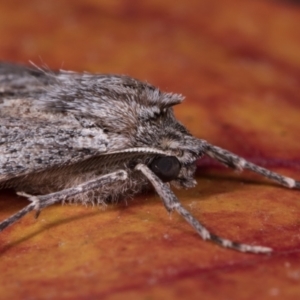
[[172, 203], [234, 161], [42, 201]]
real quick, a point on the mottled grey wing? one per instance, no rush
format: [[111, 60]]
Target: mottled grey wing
[[22, 81], [28, 146]]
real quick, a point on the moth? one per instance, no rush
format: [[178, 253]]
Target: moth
[[96, 138]]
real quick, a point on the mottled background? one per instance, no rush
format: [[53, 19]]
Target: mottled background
[[238, 64]]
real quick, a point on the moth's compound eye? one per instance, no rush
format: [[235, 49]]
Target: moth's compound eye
[[166, 167]]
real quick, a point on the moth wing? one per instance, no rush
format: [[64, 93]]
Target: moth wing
[[28, 146], [23, 81]]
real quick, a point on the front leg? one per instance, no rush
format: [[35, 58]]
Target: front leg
[[234, 161], [42, 201], [172, 203]]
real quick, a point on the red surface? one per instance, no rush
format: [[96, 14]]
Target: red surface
[[238, 64]]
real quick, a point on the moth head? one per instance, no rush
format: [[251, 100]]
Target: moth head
[[184, 153], [170, 169], [178, 165], [158, 128]]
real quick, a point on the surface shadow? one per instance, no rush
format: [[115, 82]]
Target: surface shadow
[[146, 198], [16, 203]]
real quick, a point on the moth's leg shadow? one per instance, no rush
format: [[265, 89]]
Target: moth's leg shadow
[[40, 202]]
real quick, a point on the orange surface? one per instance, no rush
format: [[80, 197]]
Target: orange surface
[[238, 64]]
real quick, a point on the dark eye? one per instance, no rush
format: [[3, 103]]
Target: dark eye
[[165, 167]]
